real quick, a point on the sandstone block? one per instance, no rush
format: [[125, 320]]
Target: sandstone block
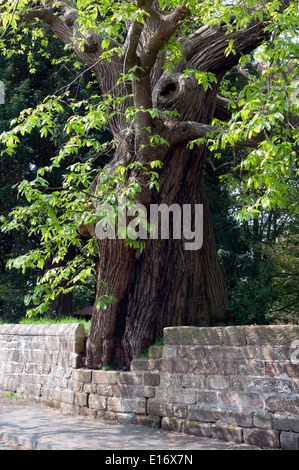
[[197, 429], [204, 397], [159, 408], [265, 438], [155, 352], [182, 396], [143, 364], [147, 392], [241, 401], [286, 422], [173, 365], [105, 377], [130, 378], [169, 351], [203, 367], [193, 335], [97, 403], [172, 424], [227, 433], [273, 334], [151, 378], [235, 336], [192, 352], [217, 382], [151, 421], [81, 399], [82, 375], [263, 420], [289, 440], [287, 404], [203, 414]]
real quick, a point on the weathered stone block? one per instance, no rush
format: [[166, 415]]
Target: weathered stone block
[[268, 385], [273, 334], [227, 367], [191, 352], [265, 438], [289, 440], [235, 336], [151, 378], [172, 424], [227, 433], [251, 367], [105, 377], [155, 352], [182, 396], [173, 365], [241, 418], [292, 370], [125, 418], [237, 382], [97, 403], [153, 422], [148, 392], [114, 404], [203, 367], [206, 397], [169, 351], [273, 353], [104, 390], [136, 405], [143, 364], [66, 396], [263, 420], [82, 375], [171, 380], [230, 353], [130, 378], [122, 390], [288, 404], [184, 335], [273, 369], [81, 399], [180, 411], [286, 422], [217, 382], [193, 381], [203, 414], [241, 401], [197, 429], [159, 408]]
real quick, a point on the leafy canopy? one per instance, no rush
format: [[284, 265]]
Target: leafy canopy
[[265, 108]]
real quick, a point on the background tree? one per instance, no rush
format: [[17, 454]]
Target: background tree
[[159, 68], [28, 78]]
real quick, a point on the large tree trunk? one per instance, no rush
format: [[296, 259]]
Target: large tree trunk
[[165, 284]]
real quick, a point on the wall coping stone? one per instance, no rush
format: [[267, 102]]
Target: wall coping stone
[[231, 335], [62, 329]]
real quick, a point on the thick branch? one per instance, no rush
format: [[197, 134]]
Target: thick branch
[[180, 131], [142, 91], [205, 49], [166, 29]]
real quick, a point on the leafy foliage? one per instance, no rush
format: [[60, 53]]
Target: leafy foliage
[[60, 139]]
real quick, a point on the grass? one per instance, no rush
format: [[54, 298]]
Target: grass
[[159, 342], [54, 321]]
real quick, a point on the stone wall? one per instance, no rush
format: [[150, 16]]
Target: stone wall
[[233, 383], [37, 360]]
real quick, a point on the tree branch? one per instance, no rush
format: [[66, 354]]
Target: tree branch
[[180, 131]]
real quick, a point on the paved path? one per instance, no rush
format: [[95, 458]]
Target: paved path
[[40, 428]]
